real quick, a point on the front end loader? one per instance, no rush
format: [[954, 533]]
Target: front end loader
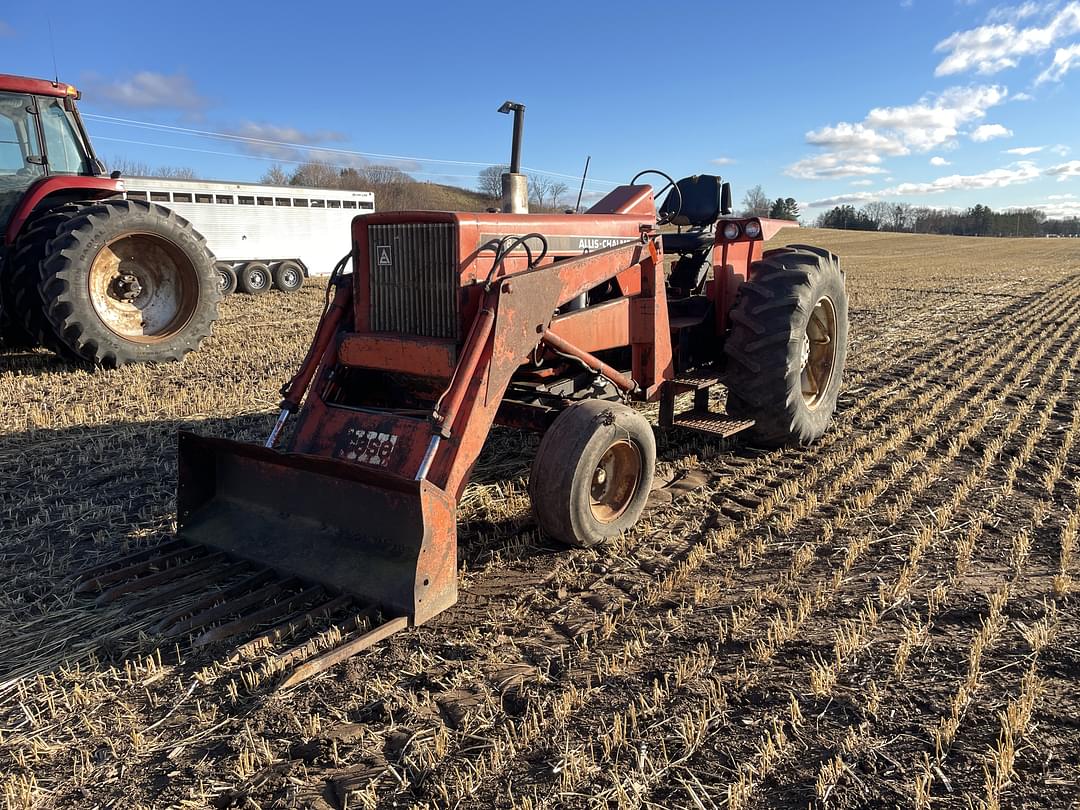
[[450, 323]]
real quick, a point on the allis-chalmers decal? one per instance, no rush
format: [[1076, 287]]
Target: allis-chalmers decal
[[558, 245], [368, 447]]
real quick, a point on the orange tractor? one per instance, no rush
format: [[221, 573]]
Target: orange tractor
[[450, 323], [83, 272]]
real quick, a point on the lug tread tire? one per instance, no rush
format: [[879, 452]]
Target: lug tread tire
[[570, 450], [763, 348], [65, 290], [27, 325]]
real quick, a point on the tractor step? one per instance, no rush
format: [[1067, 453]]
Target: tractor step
[[695, 381], [716, 424], [210, 598]]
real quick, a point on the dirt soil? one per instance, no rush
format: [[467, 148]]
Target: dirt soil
[[887, 618]]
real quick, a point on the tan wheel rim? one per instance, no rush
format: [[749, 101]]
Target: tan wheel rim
[[615, 481], [818, 354], [143, 287]]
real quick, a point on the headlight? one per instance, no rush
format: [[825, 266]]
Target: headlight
[[731, 231], [753, 229]]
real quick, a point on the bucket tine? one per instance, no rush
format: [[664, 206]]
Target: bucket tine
[[229, 607], [268, 614], [96, 578], [189, 585], [280, 632], [321, 663], [160, 578], [303, 650], [244, 585]]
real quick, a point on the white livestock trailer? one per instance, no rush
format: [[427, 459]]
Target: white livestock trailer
[[262, 235]]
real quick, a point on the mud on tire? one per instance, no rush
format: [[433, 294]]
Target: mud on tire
[[124, 281], [592, 473], [787, 346]]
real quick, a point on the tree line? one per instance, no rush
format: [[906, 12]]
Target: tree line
[[978, 220]]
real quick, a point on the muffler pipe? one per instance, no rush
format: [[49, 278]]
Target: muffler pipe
[[515, 185]]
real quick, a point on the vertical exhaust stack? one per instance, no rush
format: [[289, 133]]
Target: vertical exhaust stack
[[515, 185]]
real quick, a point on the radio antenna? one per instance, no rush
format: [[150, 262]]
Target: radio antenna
[[52, 46], [584, 174]]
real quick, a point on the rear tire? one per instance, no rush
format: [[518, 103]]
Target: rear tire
[[787, 345], [592, 473], [254, 278], [226, 278], [124, 281], [288, 276], [26, 325]]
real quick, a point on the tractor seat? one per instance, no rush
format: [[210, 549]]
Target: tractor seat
[[700, 210], [687, 241]]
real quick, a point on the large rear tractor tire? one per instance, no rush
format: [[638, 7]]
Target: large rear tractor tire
[[592, 473], [124, 281], [788, 344], [24, 311]]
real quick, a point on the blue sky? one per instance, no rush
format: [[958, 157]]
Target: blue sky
[[922, 101]]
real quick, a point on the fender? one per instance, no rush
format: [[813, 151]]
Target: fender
[[94, 188]]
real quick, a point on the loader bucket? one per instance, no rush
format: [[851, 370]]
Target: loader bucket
[[386, 540]]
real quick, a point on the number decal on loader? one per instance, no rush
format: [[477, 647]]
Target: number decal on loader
[[369, 447]]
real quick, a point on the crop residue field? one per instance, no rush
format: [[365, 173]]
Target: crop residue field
[[889, 617]]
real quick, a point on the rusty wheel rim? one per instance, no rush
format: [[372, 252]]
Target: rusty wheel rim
[[818, 353], [615, 481], [143, 287]]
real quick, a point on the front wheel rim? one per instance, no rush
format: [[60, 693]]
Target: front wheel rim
[[817, 352], [143, 288], [615, 481]]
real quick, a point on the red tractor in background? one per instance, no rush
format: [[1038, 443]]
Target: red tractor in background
[[82, 272]]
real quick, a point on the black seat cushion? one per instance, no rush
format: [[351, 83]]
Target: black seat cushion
[[687, 242], [700, 201]]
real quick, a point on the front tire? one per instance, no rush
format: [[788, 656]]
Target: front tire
[[788, 344], [592, 473], [125, 281]]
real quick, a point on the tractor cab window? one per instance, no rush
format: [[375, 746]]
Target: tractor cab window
[[20, 151], [65, 149]]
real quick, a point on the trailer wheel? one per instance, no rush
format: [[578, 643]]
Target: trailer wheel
[[592, 472], [254, 278], [226, 277], [788, 344], [125, 281], [288, 276]]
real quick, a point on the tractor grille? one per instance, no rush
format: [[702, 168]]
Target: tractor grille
[[413, 273]]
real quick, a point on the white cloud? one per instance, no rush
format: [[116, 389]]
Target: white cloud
[[1000, 45], [864, 182], [1061, 197], [987, 132], [1065, 59], [147, 89], [1061, 149], [1063, 171], [856, 137], [722, 161], [835, 164], [1060, 210], [1024, 151], [856, 149], [938, 160], [1023, 97], [1022, 172]]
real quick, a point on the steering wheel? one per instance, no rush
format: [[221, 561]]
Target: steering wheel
[[663, 220]]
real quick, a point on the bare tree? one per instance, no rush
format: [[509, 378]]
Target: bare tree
[[540, 189], [489, 181], [755, 203], [316, 174], [558, 189], [878, 212], [275, 176]]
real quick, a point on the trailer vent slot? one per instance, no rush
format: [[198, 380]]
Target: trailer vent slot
[[414, 279]]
